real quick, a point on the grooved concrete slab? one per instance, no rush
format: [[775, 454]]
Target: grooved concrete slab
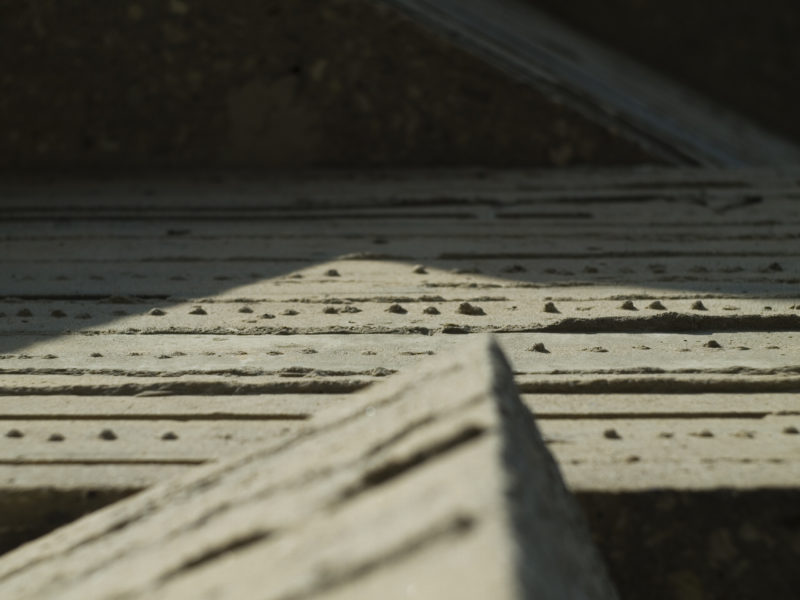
[[438, 480], [674, 311]]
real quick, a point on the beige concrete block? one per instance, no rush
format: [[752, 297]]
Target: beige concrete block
[[436, 484]]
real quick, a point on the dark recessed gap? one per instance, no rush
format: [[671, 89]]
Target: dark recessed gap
[[397, 468]]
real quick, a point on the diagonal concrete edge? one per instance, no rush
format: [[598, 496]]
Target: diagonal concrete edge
[[436, 484], [556, 557], [668, 119]]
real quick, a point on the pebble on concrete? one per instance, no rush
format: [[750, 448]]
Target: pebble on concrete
[[107, 434], [550, 307], [465, 308]]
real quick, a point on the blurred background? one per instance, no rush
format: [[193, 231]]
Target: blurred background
[[347, 83]]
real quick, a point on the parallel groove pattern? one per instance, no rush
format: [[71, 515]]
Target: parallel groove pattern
[[662, 306]]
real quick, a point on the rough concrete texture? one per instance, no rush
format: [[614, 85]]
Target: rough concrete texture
[[437, 484], [651, 318], [283, 83]]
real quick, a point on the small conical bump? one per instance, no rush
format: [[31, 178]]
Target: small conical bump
[[628, 305], [24, 313], [611, 434], [290, 312], [58, 314], [550, 307], [55, 437], [332, 273], [656, 305], [351, 309], [705, 433], [712, 344], [267, 316], [198, 310], [698, 305], [420, 270], [431, 310], [170, 436], [96, 355], [514, 269], [14, 433], [396, 309], [330, 310], [539, 347], [156, 312], [246, 310], [776, 267], [791, 430], [465, 308], [107, 434]]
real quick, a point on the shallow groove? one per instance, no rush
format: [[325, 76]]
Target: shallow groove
[[672, 322], [661, 385], [185, 417], [99, 462], [457, 526], [211, 554], [608, 255], [193, 388], [393, 469], [634, 416]]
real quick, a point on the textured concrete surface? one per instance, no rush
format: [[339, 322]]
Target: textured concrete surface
[[436, 485], [651, 318]]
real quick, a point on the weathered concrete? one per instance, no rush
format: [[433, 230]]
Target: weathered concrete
[[437, 484], [629, 401]]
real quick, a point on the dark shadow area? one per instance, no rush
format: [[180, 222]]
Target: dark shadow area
[[718, 545], [30, 514], [741, 55], [265, 84]]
